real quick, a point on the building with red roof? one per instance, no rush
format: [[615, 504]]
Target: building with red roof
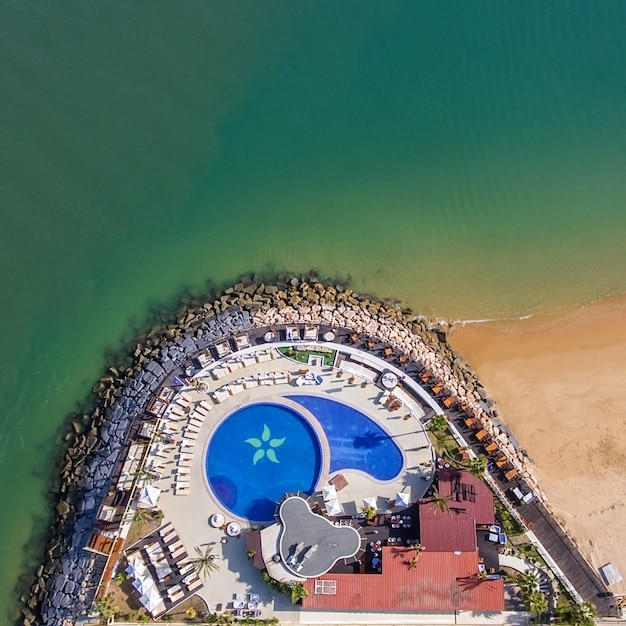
[[441, 581], [449, 575]]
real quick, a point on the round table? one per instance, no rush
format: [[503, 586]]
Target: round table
[[268, 336], [329, 336], [216, 520], [388, 380], [233, 529]]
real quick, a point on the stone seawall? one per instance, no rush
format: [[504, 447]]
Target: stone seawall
[[66, 583]]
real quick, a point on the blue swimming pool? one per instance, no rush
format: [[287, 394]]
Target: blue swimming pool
[[356, 442], [257, 454]]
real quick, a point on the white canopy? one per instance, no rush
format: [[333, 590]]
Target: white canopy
[[402, 499], [370, 502], [136, 568], [333, 507], [149, 496], [152, 600], [144, 584], [329, 492]]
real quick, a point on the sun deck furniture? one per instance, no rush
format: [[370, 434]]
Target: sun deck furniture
[[205, 406], [194, 584], [175, 593], [481, 434], [222, 349], [492, 447], [219, 371], [182, 489], [221, 394], [242, 341], [449, 401], [178, 552], [511, 474], [234, 364], [164, 530], [184, 567], [437, 388], [174, 546]]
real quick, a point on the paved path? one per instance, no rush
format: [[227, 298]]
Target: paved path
[[550, 534]]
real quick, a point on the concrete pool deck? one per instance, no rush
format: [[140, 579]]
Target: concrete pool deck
[[190, 513]]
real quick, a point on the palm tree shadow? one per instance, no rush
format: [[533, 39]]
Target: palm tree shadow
[[369, 440]]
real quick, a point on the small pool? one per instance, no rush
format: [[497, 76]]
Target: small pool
[[356, 442], [259, 453]]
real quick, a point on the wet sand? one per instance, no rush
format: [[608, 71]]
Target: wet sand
[[560, 384]]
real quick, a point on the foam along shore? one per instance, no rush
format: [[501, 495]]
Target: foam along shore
[[559, 384]]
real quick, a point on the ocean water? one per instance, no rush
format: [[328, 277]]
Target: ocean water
[[465, 158]]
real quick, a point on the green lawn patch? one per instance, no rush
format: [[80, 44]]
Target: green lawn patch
[[302, 356]]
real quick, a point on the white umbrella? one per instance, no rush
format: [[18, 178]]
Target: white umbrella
[[370, 502], [333, 507], [402, 499], [151, 599], [144, 584], [136, 568], [329, 492], [149, 496]]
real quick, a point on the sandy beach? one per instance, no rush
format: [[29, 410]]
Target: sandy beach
[[558, 383]]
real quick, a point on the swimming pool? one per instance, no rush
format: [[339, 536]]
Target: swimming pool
[[356, 442], [259, 453]]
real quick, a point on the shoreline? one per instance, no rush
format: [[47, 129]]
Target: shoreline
[[97, 442], [572, 365]]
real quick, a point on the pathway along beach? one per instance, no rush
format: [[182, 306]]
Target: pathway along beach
[[558, 384]]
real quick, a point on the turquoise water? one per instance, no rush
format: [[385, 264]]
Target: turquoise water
[[466, 158], [257, 455], [355, 441]]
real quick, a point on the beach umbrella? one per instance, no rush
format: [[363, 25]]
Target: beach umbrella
[[402, 499], [370, 502], [151, 599], [329, 492], [136, 568], [149, 496], [333, 507], [143, 584]]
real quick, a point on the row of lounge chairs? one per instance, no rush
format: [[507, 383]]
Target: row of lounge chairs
[[242, 361], [231, 389]]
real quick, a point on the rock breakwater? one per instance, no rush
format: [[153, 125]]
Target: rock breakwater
[[67, 582]]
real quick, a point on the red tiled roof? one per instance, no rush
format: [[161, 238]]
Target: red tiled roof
[[446, 531], [467, 493], [442, 581]]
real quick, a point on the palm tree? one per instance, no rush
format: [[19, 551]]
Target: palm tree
[[412, 562], [370, 512], [439, 502], [204, 563], [528, 582], [536, 602], [584, 614], [439, 422], [478, 465], [147, 476], [298, 591], [418, 548]]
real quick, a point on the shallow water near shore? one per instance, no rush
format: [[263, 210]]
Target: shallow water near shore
[[466, 160]]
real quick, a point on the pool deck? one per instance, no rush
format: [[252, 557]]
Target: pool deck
[[190, 513]]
